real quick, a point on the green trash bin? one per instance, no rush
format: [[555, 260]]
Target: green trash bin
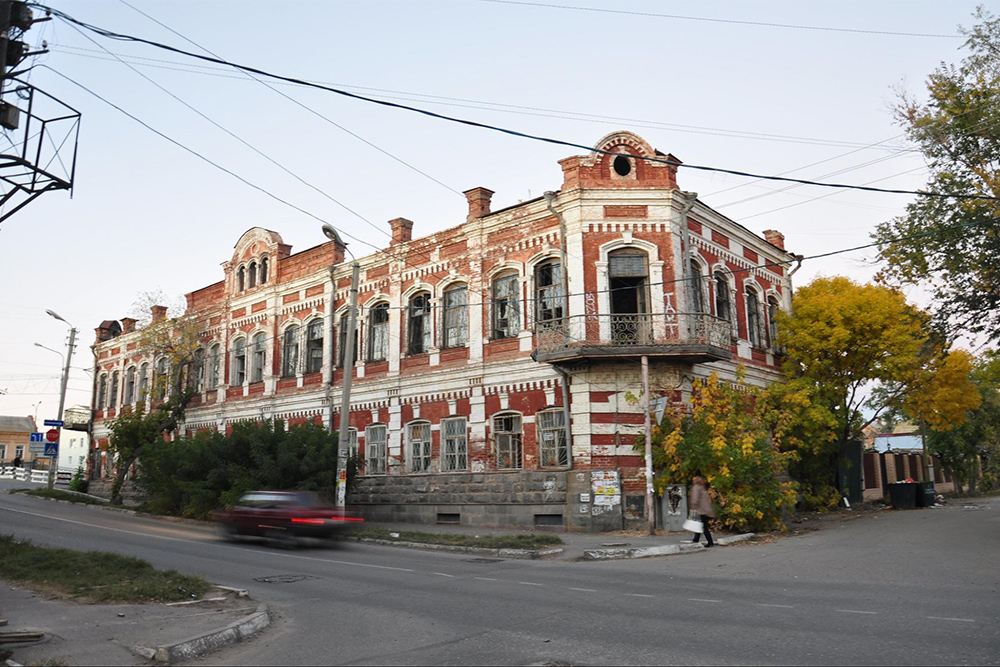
[[925, 494], [903, 495]]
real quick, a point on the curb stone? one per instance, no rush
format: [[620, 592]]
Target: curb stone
[[522, 554], [664, 550], [199, 645]]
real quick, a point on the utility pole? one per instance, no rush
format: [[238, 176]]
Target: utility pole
[[62, 390], [648, 430]]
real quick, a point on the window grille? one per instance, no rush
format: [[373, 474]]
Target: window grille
[[314, 347], [552, 447], [506, 311], [507, 441], [378, 333], [455, 332], [419, 437], [375, 450], [626, 265], [290, 352], [419, 324], [455, 444]]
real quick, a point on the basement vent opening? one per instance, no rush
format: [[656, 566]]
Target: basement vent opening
[[622, 166], [444, 517], [548, 519]]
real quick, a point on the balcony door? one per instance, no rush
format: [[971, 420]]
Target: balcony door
[[628, 282]]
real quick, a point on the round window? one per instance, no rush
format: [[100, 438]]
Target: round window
[[622, 165]]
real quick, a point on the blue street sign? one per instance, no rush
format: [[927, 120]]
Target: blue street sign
[[37, 437], [54, 422], [51, 449]]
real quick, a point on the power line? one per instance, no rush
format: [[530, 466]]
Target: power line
[[470, 123], [759, 24]]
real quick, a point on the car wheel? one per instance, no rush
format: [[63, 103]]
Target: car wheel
[[283, 539], [227, 531]]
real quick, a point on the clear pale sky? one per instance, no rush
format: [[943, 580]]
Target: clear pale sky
[[148, 215]]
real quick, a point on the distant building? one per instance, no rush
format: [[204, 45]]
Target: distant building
[[898, 442], [471, 339], [15, 438], [74, 438]]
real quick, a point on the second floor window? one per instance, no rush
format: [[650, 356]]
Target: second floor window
[[772, 320], [162, 381], [722, 309], [259, 355], [506, 310], [548, 291], [455, 319], [214, 360], [378, 333], [694, 285], [290, 352], [102, 392], [507, 441], [754, 320], [143, 381], [197, 373], [314, 347], [113, 393], [342, 343], [419, 437], [418, 336], [239, 362], [129, 387], [375, 450]]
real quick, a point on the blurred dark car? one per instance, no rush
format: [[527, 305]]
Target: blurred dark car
[[284, 516]]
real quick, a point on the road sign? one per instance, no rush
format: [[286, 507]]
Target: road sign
[[52, 435], [36, 447], [54, 422], [37, 437], [51, 449]]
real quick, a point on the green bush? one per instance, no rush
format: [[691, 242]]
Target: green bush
[[79, 483]]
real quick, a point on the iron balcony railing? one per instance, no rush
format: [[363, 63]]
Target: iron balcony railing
[[688, 334]]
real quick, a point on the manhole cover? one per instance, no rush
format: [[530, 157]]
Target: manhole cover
[[484, 560], [283, 578]]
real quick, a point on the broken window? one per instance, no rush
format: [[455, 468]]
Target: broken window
[[553, 450], [290, 352], [314, 347], [506, 311], [755, 333], [548, 291], [507, 441], [419, 324], [378, 332], [628, 282], [455, 329]]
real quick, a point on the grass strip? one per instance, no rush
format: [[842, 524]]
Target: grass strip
[[93, 576], [59, 494], [525, 541]]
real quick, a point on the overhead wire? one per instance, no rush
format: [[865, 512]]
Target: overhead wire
[[470, 123]]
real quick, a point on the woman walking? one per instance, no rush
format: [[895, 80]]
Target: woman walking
[[702, 504]]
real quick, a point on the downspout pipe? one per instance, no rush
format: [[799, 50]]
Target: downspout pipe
[[549, 198]]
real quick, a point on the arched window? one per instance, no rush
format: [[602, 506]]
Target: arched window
[[113, 393], [378, 332], [548, 291], [102, 392], [375, 449], [553, 450], [239, 374], [263, 270], [755, 331], [259, 353], [418, 439], [290, 352], [454, 444], [143, 381], [342, 343], [418, 324], [214, 363], [129, 386], [252, 274], [241, 279], [772, 320], [161, 380], [628, 282], [455, 317], [695, 288], [314, 347], [196, 376], [506, 306], [723, 310], [507, 449]]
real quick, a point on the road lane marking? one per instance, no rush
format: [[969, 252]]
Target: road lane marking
[[529, 583], [959, 620], [638, 595], [584, 590], [777, 606], [855, 611], [442, 574], [702, 600], [484, 579]]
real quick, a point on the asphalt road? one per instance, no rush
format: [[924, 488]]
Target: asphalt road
[[917, 587]]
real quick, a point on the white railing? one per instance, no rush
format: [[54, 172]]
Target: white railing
[[36, 476]]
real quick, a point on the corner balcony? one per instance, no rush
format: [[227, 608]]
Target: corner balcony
[[689, 337]]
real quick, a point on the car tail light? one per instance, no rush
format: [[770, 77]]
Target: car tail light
[[346, 518], [314, 522]]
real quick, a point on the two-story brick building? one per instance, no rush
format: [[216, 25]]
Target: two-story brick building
[[470, 341]]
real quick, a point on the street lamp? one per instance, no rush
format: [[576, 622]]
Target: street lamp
[[345, 394], [65, 379]]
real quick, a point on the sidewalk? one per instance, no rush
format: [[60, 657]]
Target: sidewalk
[[124, 634]]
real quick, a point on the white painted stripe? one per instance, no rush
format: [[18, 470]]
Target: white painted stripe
[[585, 590], [442, 574], [959, 620], [638, 595], [702, 600], [777, 606], [484, 579], [529, 583], [855, 611]]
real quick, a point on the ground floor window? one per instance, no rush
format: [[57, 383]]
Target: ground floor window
[[419, 438], [553, 450], [375, 450], [507, 441], [455, 445]]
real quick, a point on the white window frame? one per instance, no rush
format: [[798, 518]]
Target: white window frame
[[507, 443], [290, 340], [378, 333], [418, 446], [376, 449], [508, 325], [239, 362], [312, 347], [455, 316], [258, 362], [454, 444], [551, 427]]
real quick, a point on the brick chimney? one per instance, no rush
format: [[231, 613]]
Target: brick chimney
[[479, 202], [159, 313], [128, 325], [775, 238], [402, 230]]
